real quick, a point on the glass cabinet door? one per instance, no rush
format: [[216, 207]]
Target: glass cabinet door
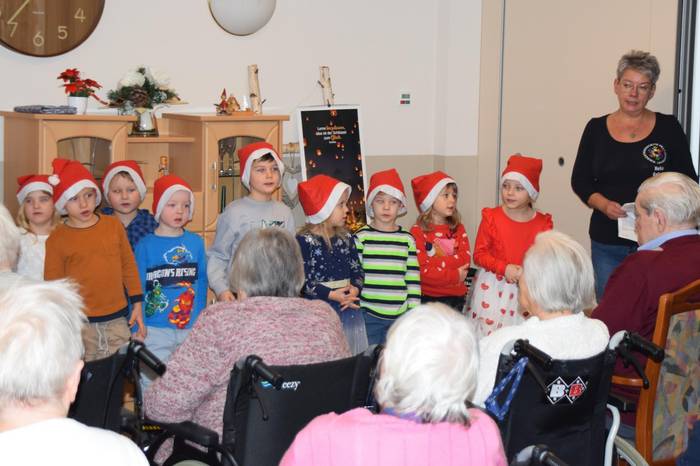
[[94, 153], [230, 187]]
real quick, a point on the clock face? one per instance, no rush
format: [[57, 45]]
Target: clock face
[[44, 28]]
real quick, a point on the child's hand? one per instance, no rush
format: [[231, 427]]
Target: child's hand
[[513, 273], [463, 271], [137, 318], [346, 297], [225, 296]]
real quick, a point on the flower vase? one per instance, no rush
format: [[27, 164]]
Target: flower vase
[[80, 104], [145, 124]]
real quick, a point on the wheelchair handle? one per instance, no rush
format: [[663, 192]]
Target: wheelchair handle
[[264, 371], [644, 346], [524, 348], [537, 455], [144, 355]]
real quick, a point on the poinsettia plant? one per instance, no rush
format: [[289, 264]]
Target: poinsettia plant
[[142, 88], [77, 86]]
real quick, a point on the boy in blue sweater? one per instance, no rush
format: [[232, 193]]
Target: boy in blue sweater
[[173, 270]]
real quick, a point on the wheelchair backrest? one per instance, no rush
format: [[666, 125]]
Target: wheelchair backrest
[[98, 402], [260, 422], [567, 413]]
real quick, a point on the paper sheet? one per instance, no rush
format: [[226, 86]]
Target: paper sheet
[[625, 225]]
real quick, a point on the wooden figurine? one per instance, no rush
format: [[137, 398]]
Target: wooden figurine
[[227, 105]]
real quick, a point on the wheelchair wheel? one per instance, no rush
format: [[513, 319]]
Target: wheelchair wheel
[[627, 452]]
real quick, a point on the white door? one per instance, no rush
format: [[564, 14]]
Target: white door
[[559, 63]]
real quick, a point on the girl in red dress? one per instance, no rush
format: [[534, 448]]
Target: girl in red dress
[[505, 234]]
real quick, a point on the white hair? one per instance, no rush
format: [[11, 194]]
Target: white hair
[[675, 194], [9, 239], [429, 366], [268, 262], [40, 340], [559, 273]]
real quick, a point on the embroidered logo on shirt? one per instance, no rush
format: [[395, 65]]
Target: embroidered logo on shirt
[[655, 153]]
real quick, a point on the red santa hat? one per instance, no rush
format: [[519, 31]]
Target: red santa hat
[[526, 171], [68, 179], [388, 182], [319, 195], [124, 166], [30, 183], [164, 188], [252, 152], [426, 188]]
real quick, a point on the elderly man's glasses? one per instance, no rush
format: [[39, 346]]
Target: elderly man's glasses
[[642, 88]]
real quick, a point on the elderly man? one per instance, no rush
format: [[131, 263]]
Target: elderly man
[[41, 348], [667, 208]]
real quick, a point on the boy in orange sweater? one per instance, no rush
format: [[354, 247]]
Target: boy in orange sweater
[[93, 250]]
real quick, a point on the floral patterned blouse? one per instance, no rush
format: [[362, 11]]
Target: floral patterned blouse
[[322, 265]]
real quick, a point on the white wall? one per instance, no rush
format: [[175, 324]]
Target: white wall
[[375, 50]]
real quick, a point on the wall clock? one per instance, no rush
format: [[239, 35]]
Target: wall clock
[[45, 28]]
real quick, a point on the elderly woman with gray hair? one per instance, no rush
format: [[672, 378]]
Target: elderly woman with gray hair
[[427, 374], [268, 319], [620, 150], [556, 286]]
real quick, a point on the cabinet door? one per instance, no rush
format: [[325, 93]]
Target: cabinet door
[[222, 141]]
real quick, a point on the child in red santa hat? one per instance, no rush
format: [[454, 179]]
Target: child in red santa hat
[[505, 234], [93, 250], [441, 241], [36, 218], [331, 263]]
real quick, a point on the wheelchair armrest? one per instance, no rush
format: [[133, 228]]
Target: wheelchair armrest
[[622, 403], [627, 381], [191, 431]]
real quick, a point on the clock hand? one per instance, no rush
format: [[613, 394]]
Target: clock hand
[[12, 22]]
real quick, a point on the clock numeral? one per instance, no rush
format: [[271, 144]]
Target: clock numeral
[[63, 32], [38, 39], [14, 25], [79, 15]]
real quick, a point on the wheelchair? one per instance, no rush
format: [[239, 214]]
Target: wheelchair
[[99, 400], [562, 403], [266, 406]]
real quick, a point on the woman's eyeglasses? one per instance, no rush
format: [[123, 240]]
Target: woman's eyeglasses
[[642, 88]]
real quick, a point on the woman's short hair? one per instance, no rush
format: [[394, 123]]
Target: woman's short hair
[[40, 340], [559, 273], [429, 366], [9, 239], [268, 262], [640, 61], [675, 194]]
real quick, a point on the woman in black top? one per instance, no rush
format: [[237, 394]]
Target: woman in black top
[[620, 150]]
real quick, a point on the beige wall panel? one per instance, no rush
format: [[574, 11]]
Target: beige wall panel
[[559, 64]]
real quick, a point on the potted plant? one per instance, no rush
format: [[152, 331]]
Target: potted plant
[[78, 89], [141, 91]]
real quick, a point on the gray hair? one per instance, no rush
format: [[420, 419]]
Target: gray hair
[[268, 262], [40, 340], [429, 366], [559, 274], [640, 61], [9, 239], [675, 194]]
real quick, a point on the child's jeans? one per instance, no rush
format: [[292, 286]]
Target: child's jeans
[[102, 339], [377, 329], [161, 341]]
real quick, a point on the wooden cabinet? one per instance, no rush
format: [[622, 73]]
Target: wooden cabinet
[[193, 144]]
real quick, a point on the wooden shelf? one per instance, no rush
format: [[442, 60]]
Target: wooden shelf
[[49, 116], [159, 139], [211, 117]]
